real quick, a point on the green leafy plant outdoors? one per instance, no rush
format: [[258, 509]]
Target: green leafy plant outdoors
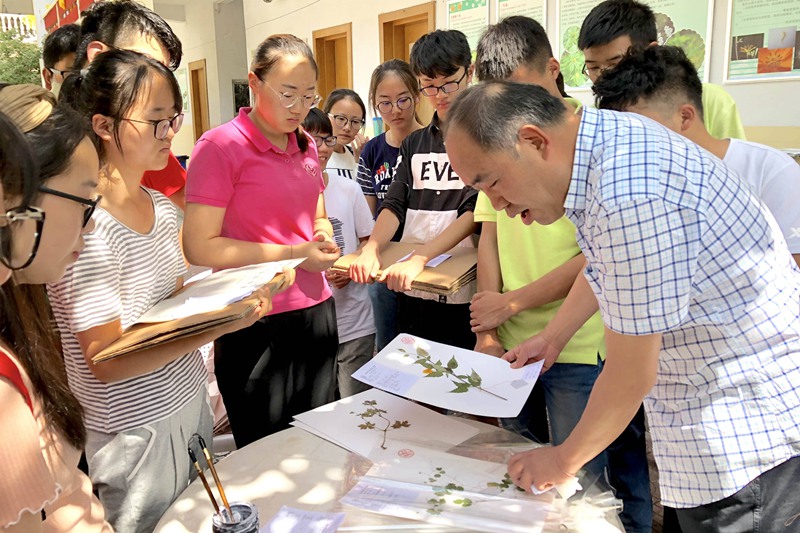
[[447, 490], [372, 410], [438, 369], [19, 60]]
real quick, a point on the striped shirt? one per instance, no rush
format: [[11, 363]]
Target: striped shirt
[[120, 275], [677, 244]]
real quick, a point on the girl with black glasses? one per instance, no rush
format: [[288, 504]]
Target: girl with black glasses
[[48, 180]]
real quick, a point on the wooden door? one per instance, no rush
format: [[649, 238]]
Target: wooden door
[[333, 51], [199, 92], [399, 30]]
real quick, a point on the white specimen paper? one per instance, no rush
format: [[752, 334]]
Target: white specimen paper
[[216, 290], [291, 520], [374, 419], [449, 377], [435, 262], [461, 509]]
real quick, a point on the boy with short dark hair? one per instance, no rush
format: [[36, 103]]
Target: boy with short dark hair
[[429, 198], [58, 55], [615, 26], [351, 220], [131, 26]]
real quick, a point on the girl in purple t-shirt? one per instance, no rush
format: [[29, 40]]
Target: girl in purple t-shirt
[[254, 194]]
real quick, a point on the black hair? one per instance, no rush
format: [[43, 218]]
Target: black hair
[[399, 68], [19, 173], [318, 122], [511, 43], [273, 49], [655, 73], [25, 315], [492, 113], [115, 22], [338, 95], [616, 18], [59, 43], [440, 53], [113, 84]]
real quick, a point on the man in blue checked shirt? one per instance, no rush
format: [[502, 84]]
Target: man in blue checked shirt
[[695, 284]]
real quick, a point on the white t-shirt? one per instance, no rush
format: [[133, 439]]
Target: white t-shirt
[[344, 164], [351, 220], [775, 177]]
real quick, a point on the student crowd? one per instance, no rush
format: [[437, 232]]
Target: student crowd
[[643, 249]]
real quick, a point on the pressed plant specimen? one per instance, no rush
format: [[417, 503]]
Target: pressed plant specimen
[[441, 491], [383, 424]]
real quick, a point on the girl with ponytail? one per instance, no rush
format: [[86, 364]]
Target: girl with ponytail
[[254, 194]]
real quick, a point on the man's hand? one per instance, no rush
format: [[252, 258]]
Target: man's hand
[[542, 469], [488, 310], [489, 344], [534, 349], [398, 277]]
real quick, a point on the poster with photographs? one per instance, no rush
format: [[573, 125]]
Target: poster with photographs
[[764, 40]]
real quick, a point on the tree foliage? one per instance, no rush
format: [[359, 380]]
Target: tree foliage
[[19, 60]]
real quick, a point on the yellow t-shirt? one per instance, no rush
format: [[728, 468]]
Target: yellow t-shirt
[[526, 254], [720, 114]]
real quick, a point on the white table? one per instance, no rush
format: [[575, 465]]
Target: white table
[[300, 470]]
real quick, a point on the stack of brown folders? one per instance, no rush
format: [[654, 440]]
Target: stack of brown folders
[[445, 279], [142, 336]]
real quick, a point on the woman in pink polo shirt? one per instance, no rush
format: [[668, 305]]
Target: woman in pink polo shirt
[[254, 194]]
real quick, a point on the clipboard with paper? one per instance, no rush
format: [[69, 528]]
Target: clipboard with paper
[[217, 299], [444, 275]]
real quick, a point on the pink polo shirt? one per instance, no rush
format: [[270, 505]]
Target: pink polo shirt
[[269, 195]]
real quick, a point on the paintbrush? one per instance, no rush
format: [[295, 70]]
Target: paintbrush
[[210, 462], [203, 478]]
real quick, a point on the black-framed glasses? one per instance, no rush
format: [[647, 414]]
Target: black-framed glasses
[[447, 88], [342, 121], [288, 100], [90, 204], [161, 127], [402, 104], [54, 71], [16, 223], [330, 140]]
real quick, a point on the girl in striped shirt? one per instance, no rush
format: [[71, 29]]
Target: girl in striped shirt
[[142, 409]]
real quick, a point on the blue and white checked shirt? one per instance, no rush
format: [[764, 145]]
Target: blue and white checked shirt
[[676, 243]]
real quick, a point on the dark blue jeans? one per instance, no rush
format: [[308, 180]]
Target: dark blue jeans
[[384, 308], [768, 503], [566, 391]]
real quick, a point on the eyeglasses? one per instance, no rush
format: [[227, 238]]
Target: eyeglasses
[[161, 127], [342, 121], [288, 100], [17, 222], [594, 72], [90, 204], [330, 140], [402, 104], [449, 87], [55, 71]]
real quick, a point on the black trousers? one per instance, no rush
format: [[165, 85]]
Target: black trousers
[[437, 322], [282, 365]]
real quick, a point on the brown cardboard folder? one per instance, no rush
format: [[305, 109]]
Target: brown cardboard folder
[[445, 279], [142, 336]]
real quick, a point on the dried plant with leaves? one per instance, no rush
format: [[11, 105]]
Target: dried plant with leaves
[[371, 412], [441, 491], [438, 369]]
